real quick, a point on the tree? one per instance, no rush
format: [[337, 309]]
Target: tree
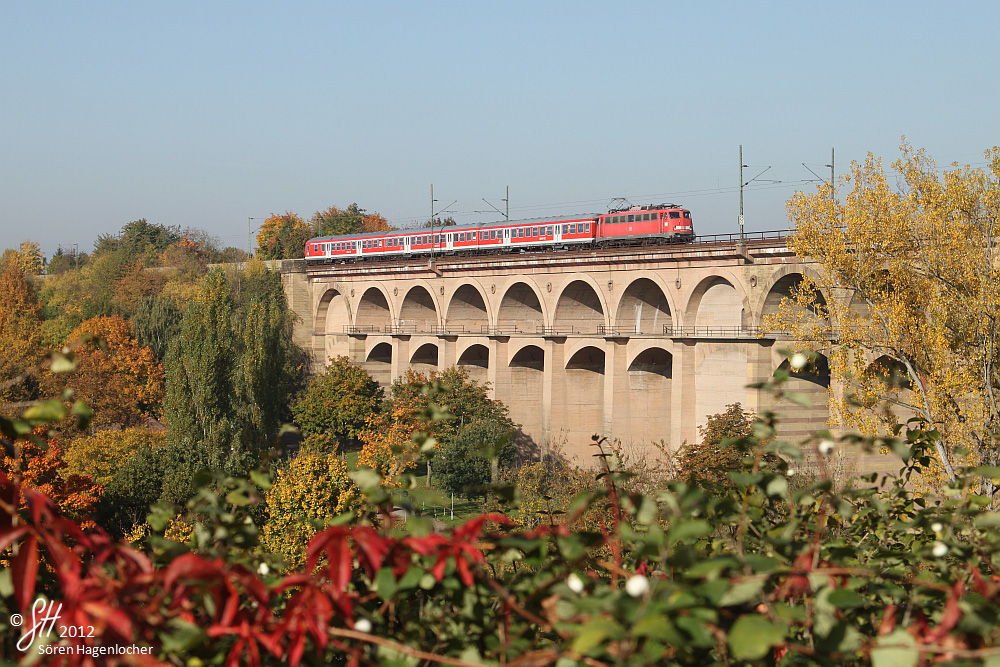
[[306, 496], [388, 445], [458, 401], [61, 262], [723, 447], [351, 220], [338, 400], [28, 258], [915, 284], [135, 284], [138, 238], [20, 335], [155, 322], [469, 461], [118, 378], [231, 370], [283, 237], [43, 468], [102, 455]]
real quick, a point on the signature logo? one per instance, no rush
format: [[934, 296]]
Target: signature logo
[[43, 621]]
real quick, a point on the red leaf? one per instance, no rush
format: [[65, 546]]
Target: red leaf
[[25, 570]]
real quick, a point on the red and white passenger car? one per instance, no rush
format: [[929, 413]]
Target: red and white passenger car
[[638, 224]]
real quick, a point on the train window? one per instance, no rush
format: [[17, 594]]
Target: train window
[[520, 233], [675, 214], [587, 227], [548, 230], [687, 214], [572, 229]]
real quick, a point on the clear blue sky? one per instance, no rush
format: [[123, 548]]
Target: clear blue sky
[[206, 113]]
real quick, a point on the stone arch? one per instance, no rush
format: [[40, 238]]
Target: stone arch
[[425, 358], [579, 308], [780, 286], [718, 302], [332, 318], [643, 308], [579, 403], [467, 310], [475, 359], [523, 383], [795, 422], [720, 377], [643, 413], [334, 309], [521, 309], [419, 310], [373, 312], [378, 363]]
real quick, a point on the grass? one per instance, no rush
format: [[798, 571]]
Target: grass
[[432, 500]]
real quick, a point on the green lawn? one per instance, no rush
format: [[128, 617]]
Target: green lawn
[[430, 500]]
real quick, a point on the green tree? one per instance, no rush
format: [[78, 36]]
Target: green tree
[[338, 400], [61, 262], [467, 462], [155, 322], [230, 372], [137, 239], [306, 496]]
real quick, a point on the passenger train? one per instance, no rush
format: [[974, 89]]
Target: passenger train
[[658, 223]]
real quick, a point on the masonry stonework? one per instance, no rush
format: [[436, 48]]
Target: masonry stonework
[[638, 344]]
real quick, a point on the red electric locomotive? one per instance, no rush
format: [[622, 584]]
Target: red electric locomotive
[[634, 225]]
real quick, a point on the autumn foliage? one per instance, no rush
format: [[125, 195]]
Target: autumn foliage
[[41, 464], [283, 237], [120, 380], [909, 283]]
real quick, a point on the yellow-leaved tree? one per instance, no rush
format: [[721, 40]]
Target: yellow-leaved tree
[[911, 272], [101, 455], [306, 496]]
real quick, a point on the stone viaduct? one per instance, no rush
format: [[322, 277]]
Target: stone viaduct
[[637, 343]]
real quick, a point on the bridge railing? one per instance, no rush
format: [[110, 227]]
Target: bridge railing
[[404, 327], [774, 235], [362, 329], [561, 330], [447, 328], [503, 330], [723, 332], [604, 330]]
